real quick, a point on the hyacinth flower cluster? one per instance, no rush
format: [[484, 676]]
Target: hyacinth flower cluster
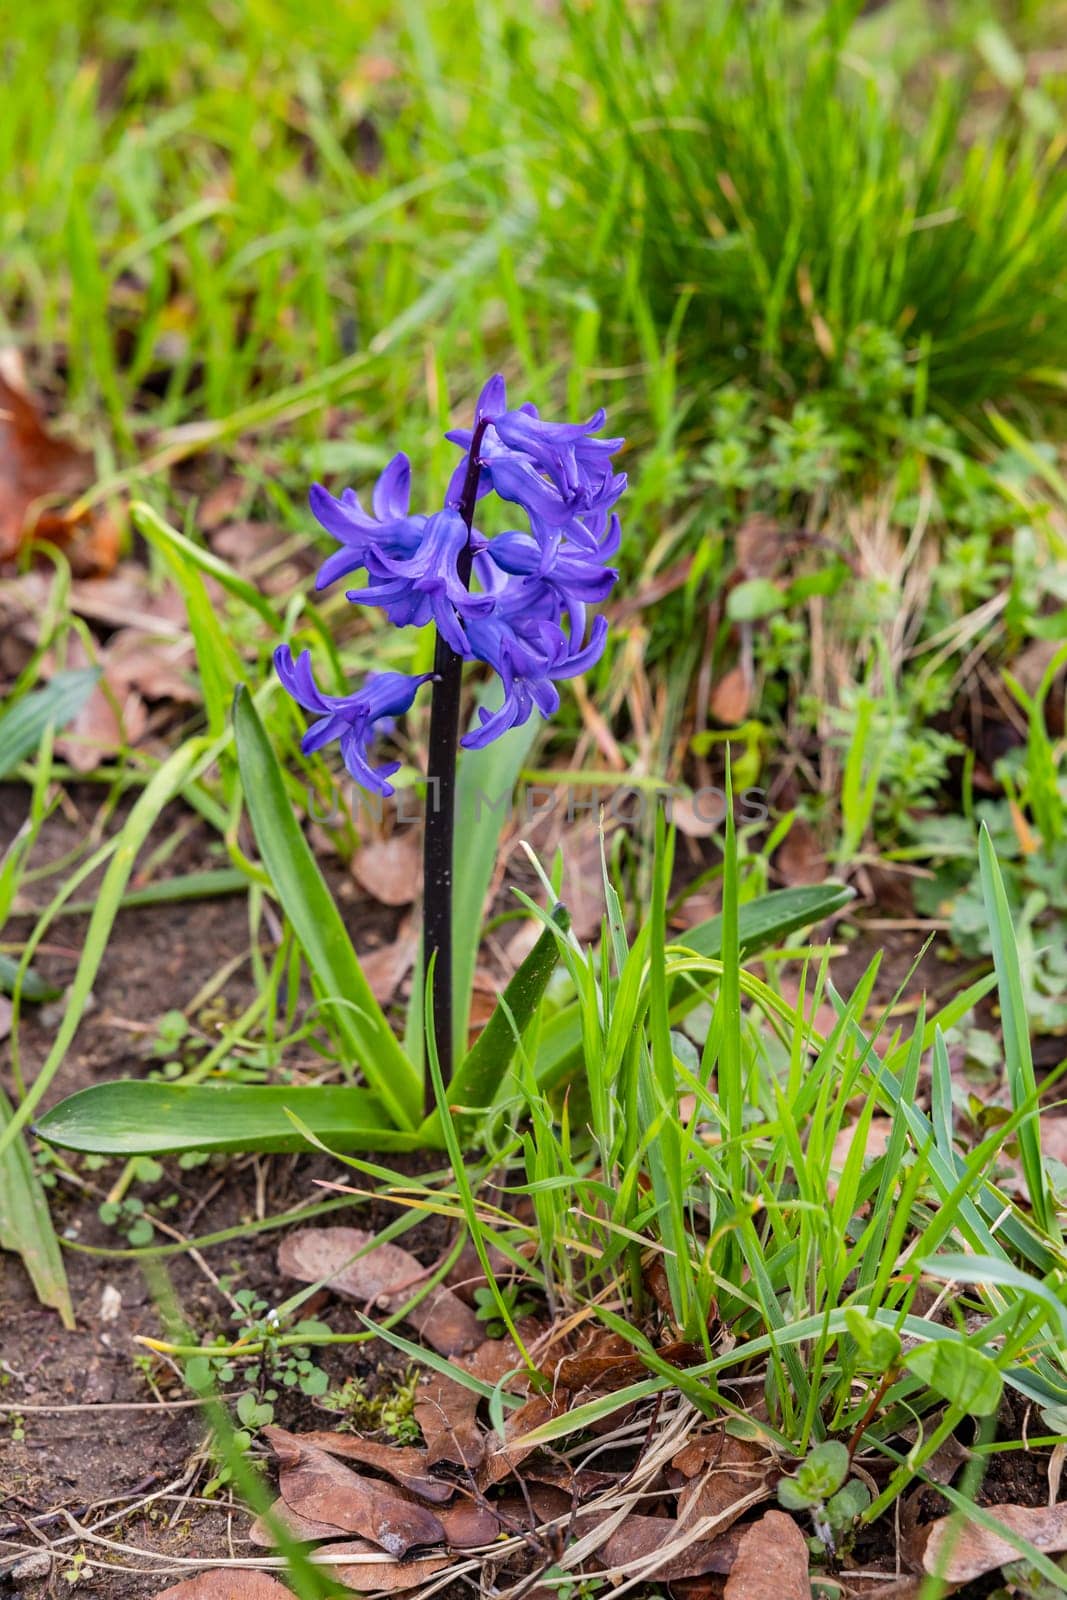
[[517, 601]]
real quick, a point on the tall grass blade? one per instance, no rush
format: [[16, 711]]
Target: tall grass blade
[[1018, 1059]]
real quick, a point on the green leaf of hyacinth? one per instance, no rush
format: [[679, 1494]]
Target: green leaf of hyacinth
[[23, 725], [134, 1117], [478, 1079], [34, 986], [485, 784], [26, 1225], [310, 907], [761, 923]]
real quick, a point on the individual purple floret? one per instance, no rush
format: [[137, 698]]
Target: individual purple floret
[[427, 586], [554, 470], [390, 532], [576, 571], [529, 666], [349, 718], [579, 464]]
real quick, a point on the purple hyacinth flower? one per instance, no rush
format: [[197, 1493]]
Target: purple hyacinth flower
[[566, 451], [426, 586], [526, 616], [529, 663], [553, 470], [576, 572], [352, 719], [391, 531]]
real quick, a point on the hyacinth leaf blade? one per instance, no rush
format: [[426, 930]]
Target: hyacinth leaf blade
[[26, 1224], [358, 1019], [479, 1078], [485, 782], [146, 1117]]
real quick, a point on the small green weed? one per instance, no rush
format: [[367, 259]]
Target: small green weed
[[388, 1410], [821, 1486]]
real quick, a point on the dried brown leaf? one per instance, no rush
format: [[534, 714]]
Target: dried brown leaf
[[723, 1474], [583, 883], [36, 470], [879, 1132], [447, 1411], [509, 1453], [304, 1529], [227, 1583], [316, 1486], [699, 815], [545, 1500], [772, 1562], [127, 598], [107, 721], [638, 1538], [220, 503], [390, 869], [360, 1568], [404, 1464], [155, 666], [607, 1372], [485, 991], [958, 1550], [731, 697], [800, 858], [385, 1277], [468, 1525], [386, 968], [246, 544]]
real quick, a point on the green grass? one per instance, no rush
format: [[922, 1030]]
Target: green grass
[[708, 1140], [290, 248]]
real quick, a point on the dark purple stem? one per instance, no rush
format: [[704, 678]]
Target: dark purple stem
[[438, 848]]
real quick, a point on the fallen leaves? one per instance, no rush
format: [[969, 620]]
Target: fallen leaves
[[227, 1583], [800, 858], [407, 1467], [386, 967], [390, 869], [879, 1132], [640, 1540], [721, 1474], [145, 657], [731, 696], [39, 475], [772, 1562], [959, 1549], [382, 1276], [325, 1493], [496, 1494]]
